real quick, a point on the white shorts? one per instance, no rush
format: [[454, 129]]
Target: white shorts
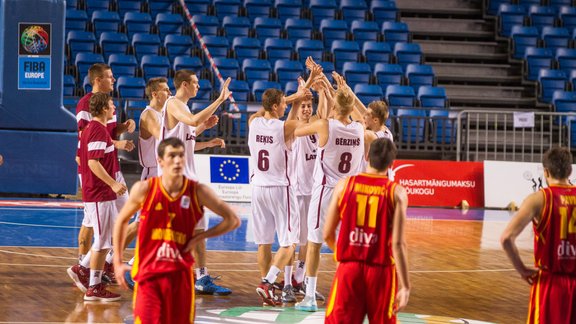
[[102, 215], [121, 200], [86, 219], [303, 204], [149, 172], [319, 203], [275, 209]]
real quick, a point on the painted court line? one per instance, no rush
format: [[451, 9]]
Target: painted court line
[[38, 225]]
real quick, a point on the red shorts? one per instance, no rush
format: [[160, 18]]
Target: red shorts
[[361, 289], [552, 299], [168, 298]]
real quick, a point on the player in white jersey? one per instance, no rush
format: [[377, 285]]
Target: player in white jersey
[[177, 121], [342, 145]]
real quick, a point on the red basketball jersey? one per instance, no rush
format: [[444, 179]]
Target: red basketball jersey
[[166, 226], [555, 234], [366, 213]]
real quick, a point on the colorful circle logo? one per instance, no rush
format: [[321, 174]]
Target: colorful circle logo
[[34, 39]]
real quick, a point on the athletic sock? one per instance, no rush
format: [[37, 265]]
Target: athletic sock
[[131, 262], [201, 272], [85, 262], [288, 275], [311, 286], [110, 256], [95, 277], [300, 271], [272, 274]]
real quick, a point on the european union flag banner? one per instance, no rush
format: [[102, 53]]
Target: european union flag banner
[[229, 170]]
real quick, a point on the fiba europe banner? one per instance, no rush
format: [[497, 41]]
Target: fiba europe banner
[[441, 183], [229, 176], [34, 56]]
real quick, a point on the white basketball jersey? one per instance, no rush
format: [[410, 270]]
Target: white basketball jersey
[[304, 157], [186, 134], [147, 147], [342, 155], [269, 155], [385, 134]]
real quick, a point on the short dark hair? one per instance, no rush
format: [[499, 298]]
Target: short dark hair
[[170, 141], [98, 102], [558, 161], [181, 76], [271, 97], [152, 85], [382, 153], [97, 71], [379, 110]]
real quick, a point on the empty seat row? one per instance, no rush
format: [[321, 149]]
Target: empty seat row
[[535, 15]]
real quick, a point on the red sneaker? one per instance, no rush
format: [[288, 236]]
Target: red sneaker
[[99, 293], [108, 275], [266, 291], [80, 275]]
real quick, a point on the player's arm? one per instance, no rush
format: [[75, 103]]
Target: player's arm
[[259, 113], [127, 126], [529, 210], [207, 124], [230, 221], [149, 125], [319, 126], [98, 170], [399, 248], [333, 215], [181, 112], [134, 203], [211, 143], [369, 137]]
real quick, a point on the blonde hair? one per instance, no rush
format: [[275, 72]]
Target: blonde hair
[[344, 101], [379, 110], [154, 85]]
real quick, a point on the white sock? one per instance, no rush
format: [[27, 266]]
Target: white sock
[[272, 274], [311, 286], [288, 275], [85, 262], [80, 257], [201, 272], [300, 271], [110, 256], [131, 262], [95, 277]]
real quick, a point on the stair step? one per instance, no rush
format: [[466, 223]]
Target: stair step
[[489, 95], [476, 73], [450, 50], [443, 7], [464, 28]]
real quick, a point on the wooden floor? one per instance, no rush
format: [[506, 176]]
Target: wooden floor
[[457, 270]]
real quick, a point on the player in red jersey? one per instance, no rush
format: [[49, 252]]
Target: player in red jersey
[[371, 211], [552, 212], [171, 206]]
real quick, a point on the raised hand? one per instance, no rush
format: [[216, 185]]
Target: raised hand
[[225, 92]]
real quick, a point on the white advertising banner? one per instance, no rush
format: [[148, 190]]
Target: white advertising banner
[[228, 176]]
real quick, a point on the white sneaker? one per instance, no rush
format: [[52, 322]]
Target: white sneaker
[[308, 304]]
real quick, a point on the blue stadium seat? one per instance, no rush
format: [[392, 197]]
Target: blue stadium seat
[[205, 91], [71, 4], [399, 96], [69, 85], [407, 53], [113, 43], [509, 15], [260, 86], [94, 5], [160, 7], [105, 21], [198, 7], [388, 74], [308, 47], [125, 6], [356, 73], [255, 70], [168, 23], [572, 79], [240, 89], [76, 20], [322, 9], [528, 3], [523, 37], [154, 66], [185, 62], [564, 101], [277, 49], [536, 59], [376, 52], [287, 71], [419, 75], [555, 37], [235, 26], [217, 45], [566, 58], [328, 67], [86, 86], [290, 87], [80, 41], [384, 10], [130, 87], [395, 32], [288, 9], [541, 16], [257, 8], [246, 47], [123, 64], [207, 25], [171, 85], [412, 125], [177, 45], [344, 51], [297, 29], [559, 3], [364, 31], [332, 29], [432, 97], [443, 130], [226, 8], [567, 16], [145, 44], [550, 81], [493, 5], [368, 92], [228, 67], [267, 28], [137, 22], [353, 10], [133, 109]]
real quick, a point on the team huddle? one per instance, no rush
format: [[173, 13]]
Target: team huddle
[[318, 176]]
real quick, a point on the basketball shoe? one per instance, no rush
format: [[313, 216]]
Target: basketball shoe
[[288, 294], [206, 286], [308, 304], [80, 275], [319, 296], [266, 291], [99, 293], [108, 275]]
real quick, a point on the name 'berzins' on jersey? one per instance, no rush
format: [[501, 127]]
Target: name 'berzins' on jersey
[[367, 214], [555, 233], [342, 155], [269, 155], [166, 226]]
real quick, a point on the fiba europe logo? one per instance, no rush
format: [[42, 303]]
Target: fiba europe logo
[[34, 39]]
